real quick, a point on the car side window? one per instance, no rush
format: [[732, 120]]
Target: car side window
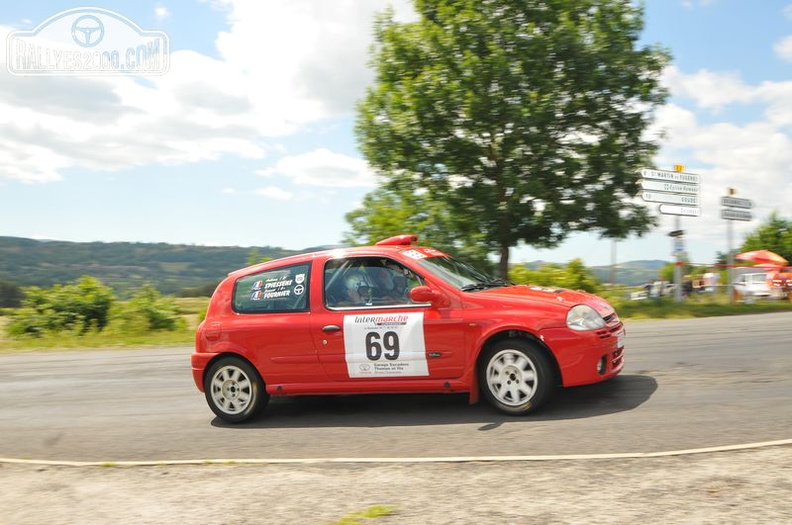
[[368, 282], [279, 290]]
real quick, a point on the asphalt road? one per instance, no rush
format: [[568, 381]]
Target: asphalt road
[[687, 384]]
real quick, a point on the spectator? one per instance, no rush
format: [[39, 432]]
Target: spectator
[[711, 280], [687, 286]]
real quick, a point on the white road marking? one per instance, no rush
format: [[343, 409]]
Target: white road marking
[[452, 459]]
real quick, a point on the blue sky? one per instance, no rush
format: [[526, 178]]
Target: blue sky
[[247, 140]]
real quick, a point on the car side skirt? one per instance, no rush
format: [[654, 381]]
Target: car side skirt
[[367, 386]]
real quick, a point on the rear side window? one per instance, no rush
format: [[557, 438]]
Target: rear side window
[[280, 290]]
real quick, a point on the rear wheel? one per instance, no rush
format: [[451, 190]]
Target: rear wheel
[[516, 376], [234, 390]]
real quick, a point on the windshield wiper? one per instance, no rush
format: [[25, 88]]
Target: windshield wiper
[[494, 283]]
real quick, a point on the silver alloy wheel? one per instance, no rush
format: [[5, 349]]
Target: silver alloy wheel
[[511, 377], [232, 389]]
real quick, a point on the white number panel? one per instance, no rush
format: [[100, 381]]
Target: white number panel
[[385, 345]]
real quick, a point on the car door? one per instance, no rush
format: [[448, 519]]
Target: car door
[[373, 339]]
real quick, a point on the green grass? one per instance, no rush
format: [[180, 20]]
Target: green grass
[[376, 511], [191, 305], [666, 308]]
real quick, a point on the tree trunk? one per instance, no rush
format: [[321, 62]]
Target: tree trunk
[[503, 265]]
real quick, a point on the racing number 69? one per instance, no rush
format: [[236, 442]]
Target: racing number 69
[[375, 344]]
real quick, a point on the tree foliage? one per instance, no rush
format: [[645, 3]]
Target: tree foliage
[[574, 276], [775, 235], [79, 306], [524, 118], [393, 210]]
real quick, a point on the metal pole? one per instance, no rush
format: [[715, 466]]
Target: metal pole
[[729, 261], [677, 264], [613, 263]]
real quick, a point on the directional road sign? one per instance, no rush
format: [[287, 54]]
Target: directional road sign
[[670, 198], [670, 176], [671, 187], [734, 202], [671, 209], [736, 215]]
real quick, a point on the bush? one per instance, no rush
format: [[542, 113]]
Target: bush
[[147, 310], [78, 307], [10, 295]]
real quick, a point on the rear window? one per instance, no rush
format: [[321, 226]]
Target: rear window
[[279, 290]]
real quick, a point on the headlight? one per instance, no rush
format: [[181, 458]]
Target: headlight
[[583, 317]]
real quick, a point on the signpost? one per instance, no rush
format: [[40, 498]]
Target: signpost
[[734, 202], [678, 188], [689, 211], [729, 213], [678, 192], [736, 215], [670, 198], [671, 187]]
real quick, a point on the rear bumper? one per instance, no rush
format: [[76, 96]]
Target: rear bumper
[[199, 363]]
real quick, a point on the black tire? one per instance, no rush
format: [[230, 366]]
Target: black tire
[[516, 376], [234, 390]]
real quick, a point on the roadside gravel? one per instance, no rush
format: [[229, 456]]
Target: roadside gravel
[[745, 487]]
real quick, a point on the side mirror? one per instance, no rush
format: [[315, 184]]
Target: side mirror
[[424, 294]]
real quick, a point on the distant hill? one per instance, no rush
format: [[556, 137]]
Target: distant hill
[[632, 273], [177, 268], [172, 268]]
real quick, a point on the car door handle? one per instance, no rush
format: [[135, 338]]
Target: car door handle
[[331, 328]]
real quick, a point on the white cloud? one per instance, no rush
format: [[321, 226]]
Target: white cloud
[[274, 193], [783, 49], [693, 3], [161, 12], [754, 157], [323, 167], [709, 90], [283, 65]]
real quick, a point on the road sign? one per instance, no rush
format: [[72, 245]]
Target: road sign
[[736, 215], [688, 211], [670, 176], [734, 202], [670, 198], [671, 187], [679, 246]]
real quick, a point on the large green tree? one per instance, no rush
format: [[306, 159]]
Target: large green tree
[[526, 118], [775, 235], [396, 209]]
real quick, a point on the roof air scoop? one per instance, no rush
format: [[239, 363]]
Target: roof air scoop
[[398, 240]]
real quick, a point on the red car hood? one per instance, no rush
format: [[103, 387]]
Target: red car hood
[[556, 296]]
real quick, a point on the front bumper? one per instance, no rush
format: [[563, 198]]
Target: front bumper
[[585, 358]]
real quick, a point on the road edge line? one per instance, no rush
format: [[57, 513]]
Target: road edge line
[[452, 459]]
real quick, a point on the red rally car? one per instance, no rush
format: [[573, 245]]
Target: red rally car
[[396, 317]]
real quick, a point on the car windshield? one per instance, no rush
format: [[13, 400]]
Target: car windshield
[[460, 275]]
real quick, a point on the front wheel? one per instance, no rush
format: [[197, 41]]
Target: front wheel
[[516, 376], [234, 390]]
